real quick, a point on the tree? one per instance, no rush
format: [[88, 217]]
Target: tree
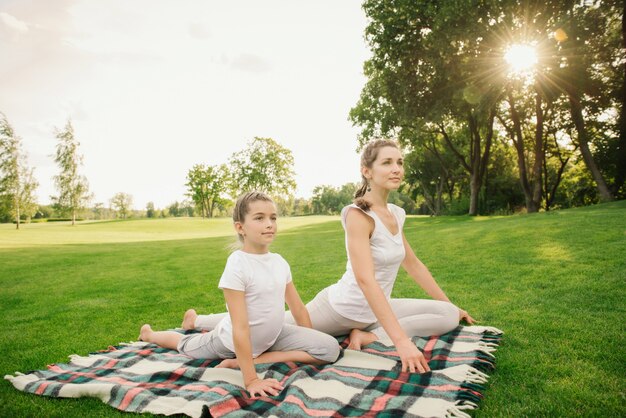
[[264, 165], [438, 68], [150, 213], [205, 185], [583, 75], [72, 187], [122, 202], [425, 77], [17, 183], [329, 200]]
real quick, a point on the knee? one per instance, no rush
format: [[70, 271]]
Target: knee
[[327, 349], [450, 316]]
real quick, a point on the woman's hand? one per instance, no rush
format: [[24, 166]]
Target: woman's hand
[[464, 316], [264, 387], [411, 357]]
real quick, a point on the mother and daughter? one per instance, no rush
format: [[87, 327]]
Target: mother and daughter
[[257, 283]]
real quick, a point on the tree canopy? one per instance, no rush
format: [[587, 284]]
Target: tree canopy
[[73, 187], [444, 80]]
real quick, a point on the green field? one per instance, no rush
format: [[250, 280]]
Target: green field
[[554, 282]]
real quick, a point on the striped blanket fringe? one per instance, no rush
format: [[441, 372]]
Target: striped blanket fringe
[[141, 377]]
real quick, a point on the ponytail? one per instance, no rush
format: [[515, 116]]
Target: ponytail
[[359, 200]]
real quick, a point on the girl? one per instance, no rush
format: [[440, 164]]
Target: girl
[[256, 284], [360, 302]]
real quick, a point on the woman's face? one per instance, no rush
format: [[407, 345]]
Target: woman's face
[[387, 170]]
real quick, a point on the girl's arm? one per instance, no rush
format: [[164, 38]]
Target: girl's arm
[[235, 299], [296, 307], [358, 230], [421, 275]]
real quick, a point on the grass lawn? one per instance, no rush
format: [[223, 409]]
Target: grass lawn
[[554, 282]]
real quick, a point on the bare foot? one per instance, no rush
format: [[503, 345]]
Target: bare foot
[[229, 363], [360, 338], [145, 333], [189, 319]]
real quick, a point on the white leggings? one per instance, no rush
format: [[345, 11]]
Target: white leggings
[[291, 338], [418, 317]]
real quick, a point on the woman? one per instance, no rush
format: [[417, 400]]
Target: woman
[[360, 302]]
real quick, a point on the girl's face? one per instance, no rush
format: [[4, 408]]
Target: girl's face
[[387, 170], [259, 226]]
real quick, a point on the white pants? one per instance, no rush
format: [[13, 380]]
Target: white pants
[[291, 338], [418, 317]]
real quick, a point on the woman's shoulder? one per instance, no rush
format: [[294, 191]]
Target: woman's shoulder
[[399, 212], [396, 208], [359, 212], [347, 209]]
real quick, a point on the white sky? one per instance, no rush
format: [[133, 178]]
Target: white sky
[[153, 87]]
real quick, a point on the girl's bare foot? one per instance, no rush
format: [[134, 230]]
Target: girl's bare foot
[[189, 319], [145, 333], [360, 338], [229, 363]]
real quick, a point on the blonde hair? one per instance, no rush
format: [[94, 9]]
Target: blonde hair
[[368, 156], [242, 206]]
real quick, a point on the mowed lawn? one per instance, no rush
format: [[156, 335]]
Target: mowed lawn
[[554, 282]]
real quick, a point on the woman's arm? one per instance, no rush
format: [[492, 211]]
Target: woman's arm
[[358, 230], [296, 307], [235, 299], [421, 275]]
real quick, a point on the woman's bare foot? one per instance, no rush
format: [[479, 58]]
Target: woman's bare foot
[[229, 363], [145, 333], [189, 319], [360, 338]]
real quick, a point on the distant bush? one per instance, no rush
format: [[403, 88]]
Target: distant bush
[[64, 219]]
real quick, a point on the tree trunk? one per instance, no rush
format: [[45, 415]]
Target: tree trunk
[[583, 143], [620, 176], [440, 194], [17, 212], [73, 217], [518, 141], [474, 190], [540, 155]]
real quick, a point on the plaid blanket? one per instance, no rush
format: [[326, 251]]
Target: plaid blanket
[[141, 377]]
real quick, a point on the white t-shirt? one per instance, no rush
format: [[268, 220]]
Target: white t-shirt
[[345, 296], [263, 278]]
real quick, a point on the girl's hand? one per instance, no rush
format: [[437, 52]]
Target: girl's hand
[[412, 359], [264, 387], [464, 316]]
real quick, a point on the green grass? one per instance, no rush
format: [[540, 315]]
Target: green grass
[[554, 282]]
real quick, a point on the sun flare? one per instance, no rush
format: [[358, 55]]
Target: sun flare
[[521, 58]]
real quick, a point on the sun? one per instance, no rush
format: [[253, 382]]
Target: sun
[[521, 59]]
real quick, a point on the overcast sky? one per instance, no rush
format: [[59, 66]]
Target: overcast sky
[[153, 87]]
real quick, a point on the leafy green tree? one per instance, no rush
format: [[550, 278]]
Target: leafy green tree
[[264, 165], [17, 183], [73, 187], [206, 185], [173, 210], [329, 200], [591, 71], [439, 68], [122, 203], [302, 207], [150, 212], [423, 78], [98, 210]]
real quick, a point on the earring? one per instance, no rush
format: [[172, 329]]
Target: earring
[[368, 188]]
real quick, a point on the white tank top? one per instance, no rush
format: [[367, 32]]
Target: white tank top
[[346, 296]]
